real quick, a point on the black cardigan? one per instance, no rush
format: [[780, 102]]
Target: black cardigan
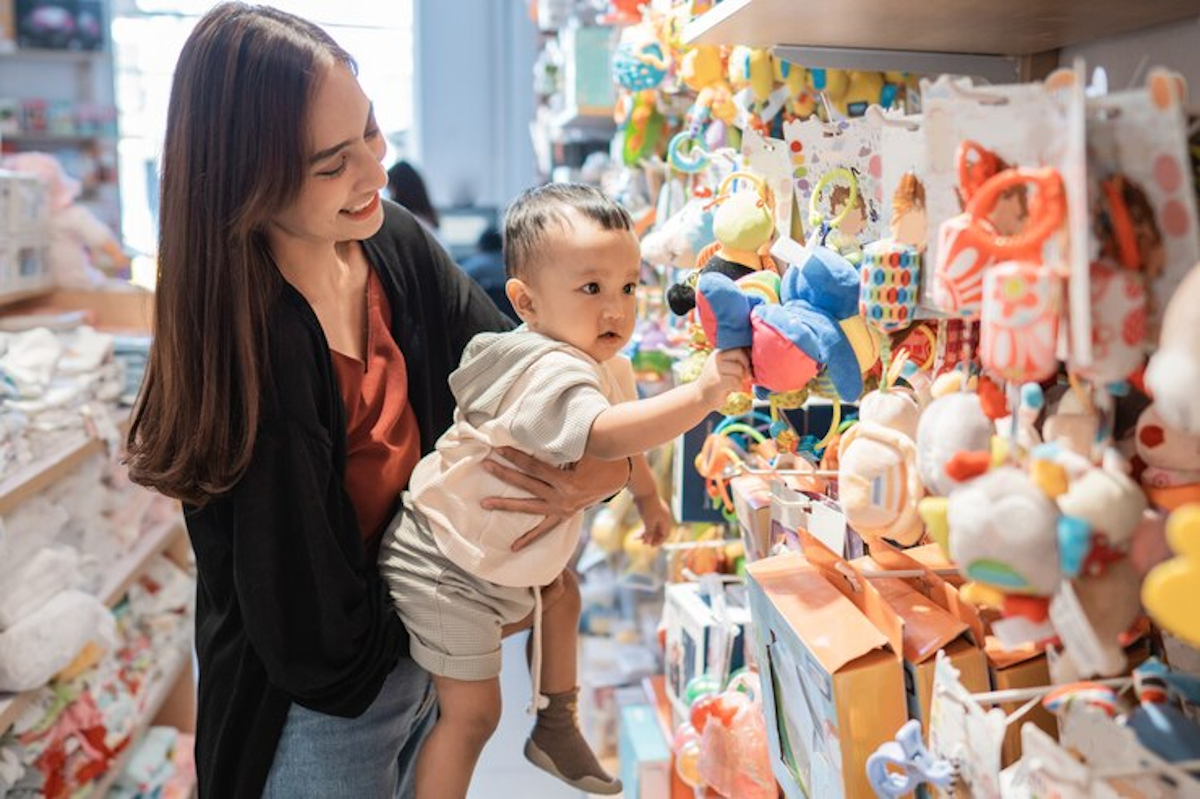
[[290, 608]]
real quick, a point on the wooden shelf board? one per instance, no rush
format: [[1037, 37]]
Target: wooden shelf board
[[11, 708], [1018, 27], [161, 691], [21, 295], [44, 137], [63, 56], [130, 567], [45, 472]]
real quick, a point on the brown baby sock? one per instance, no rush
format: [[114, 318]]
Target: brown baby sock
[[557, 747]]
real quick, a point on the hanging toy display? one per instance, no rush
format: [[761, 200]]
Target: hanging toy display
[[840, 228], [891, 268], [744, 227]]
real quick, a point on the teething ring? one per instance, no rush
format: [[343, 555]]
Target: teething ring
[[691, 161], [815, 217]]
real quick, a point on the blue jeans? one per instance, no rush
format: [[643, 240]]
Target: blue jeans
[[374, 755]]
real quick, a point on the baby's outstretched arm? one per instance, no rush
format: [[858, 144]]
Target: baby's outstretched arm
[[631, 428]]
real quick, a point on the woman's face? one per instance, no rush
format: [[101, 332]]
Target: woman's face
[[343, 174]]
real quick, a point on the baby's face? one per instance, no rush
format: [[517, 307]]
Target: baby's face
[[583, 287]]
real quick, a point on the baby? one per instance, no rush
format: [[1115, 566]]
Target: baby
[[557, 389]]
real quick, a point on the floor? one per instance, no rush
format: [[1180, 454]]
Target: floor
[[503, 770]]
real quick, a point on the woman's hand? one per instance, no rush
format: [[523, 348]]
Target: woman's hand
[[555, 493]]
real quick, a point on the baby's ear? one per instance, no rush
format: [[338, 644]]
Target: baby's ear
[[521, 298]]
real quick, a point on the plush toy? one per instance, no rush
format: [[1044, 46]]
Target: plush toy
[[879, 486], [814, 326], [801, 103], [850, 93], [74, 231], [680, 239], [1173, 375], [638, 62], [744, 227], [1070, 423], [644, 126], [1172, 457], [1101, 510], [1171, 591], [1004, 534], [953, 426]]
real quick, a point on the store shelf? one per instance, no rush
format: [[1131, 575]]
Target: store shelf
[[161, 691], [1018, 27], [21, 295], [55, 56], [12, 706], [130, 567], [43, 473], [124, 572], [31, 137]]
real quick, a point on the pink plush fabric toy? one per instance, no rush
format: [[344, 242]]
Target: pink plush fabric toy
[[74, 231]]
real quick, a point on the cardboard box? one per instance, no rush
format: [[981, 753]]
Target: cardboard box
[[695, 641], [935, 619], [752, 504], [645, 754], [833, 682]]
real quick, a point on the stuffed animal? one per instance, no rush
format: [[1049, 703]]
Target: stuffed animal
[[744, 227], [680, 239], [1172, 457], [1004, 535], [1171, 591], [952, 427], [879, 486], [814, 326], [1173, 375], [74, 231]]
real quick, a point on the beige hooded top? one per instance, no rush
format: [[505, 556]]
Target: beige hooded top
[[523, 390]]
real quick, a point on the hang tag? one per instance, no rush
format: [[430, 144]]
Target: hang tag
[[1079, 638], [769, 158], [1108, 747], [902, 149], [1015, 632], [960, 729], [827, 524], [1050, 770], [817, 147]]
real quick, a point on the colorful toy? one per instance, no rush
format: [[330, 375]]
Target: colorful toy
[[744, 226], [983, 235], [815, 326], [890, 281], [1173, 375], [953, 426], [643, 124], [1172, 474], [678, 240], [847, 218], [801, 102], [638, 63], [879, 486], [1171, 591]]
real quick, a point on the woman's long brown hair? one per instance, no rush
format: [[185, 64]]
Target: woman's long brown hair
[[235, 155]]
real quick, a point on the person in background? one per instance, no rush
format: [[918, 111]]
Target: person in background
[[407, 188], [305, 331], [486, 267]]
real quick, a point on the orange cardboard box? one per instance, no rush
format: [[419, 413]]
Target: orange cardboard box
[[935, 619], [829, 652]]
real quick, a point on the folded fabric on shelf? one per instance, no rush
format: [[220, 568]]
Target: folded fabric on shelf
[[43, 643], [50, 571]]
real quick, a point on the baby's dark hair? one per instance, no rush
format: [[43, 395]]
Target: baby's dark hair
[[529, 216]]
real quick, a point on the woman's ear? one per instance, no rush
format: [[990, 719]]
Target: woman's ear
[[522, 299]]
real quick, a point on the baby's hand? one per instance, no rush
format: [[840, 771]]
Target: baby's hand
[[656, 517], [725, 372]]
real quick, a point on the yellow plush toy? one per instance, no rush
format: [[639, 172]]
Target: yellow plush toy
[[1171, 591]]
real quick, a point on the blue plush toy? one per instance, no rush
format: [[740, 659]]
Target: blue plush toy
[[816, 324]]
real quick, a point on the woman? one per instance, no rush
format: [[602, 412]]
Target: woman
[[304, 334]]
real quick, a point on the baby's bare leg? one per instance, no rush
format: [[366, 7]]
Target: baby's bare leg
[[468, 713]]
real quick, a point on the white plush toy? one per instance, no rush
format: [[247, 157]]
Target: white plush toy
[[1173, 375]]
